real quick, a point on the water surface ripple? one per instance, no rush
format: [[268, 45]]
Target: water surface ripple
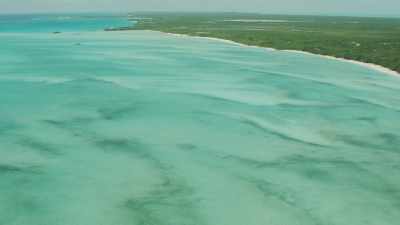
[[126, 128]]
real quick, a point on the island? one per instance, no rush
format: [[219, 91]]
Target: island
[[364, 39]]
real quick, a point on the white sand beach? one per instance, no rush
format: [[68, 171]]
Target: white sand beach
[[364, 64]]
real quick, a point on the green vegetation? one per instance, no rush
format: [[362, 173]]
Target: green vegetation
[[371, 40]]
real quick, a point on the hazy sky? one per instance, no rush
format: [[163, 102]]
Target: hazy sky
[[333, 7]]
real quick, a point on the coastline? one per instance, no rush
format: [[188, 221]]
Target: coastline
[[372, 66]]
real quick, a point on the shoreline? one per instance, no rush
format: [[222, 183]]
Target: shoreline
[[372, 66]]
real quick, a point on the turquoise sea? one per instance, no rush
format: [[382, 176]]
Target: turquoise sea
[[146, 128]]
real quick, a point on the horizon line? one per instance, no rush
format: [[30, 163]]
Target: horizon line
[[203, 12]]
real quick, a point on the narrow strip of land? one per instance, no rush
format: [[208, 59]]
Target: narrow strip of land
[[368, 40]]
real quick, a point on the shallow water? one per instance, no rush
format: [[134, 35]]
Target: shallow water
[[146, 128]]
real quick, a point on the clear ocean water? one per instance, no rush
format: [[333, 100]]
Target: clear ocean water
[[140, 127]]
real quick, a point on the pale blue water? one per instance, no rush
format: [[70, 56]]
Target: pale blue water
[[61, 23], [120, 128]]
